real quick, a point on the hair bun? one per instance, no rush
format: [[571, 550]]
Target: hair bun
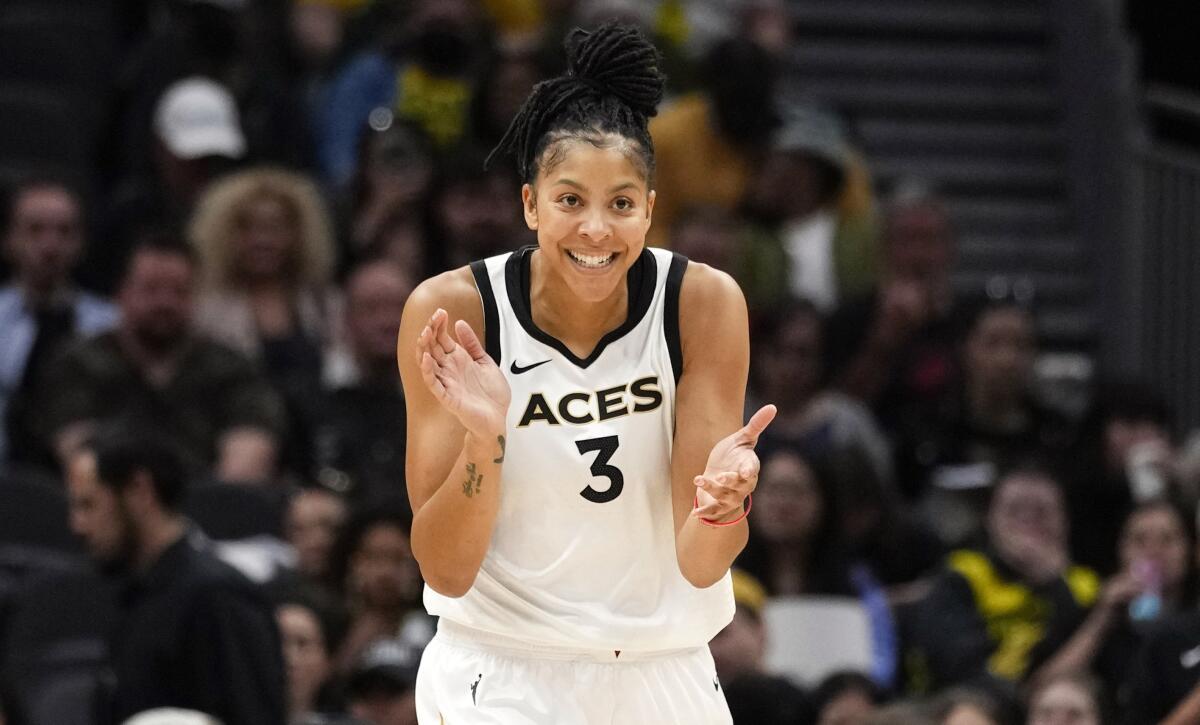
[[617, 60]]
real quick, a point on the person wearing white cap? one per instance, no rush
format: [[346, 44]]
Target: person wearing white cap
[[171, 716], [197, 117]]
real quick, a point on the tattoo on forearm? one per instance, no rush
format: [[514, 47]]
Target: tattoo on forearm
[[501, 458], [474, 481]]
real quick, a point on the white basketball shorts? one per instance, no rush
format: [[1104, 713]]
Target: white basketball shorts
[[474, 678]]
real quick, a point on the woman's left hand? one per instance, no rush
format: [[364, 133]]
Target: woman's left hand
[[732, 470]]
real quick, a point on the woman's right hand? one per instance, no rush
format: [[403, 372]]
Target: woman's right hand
[[462, 376]]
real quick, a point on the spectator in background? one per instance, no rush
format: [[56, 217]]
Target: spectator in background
[[391, 190], [507, 79], [846, 698], [1125, 457], [898, 344], [707, 235], [1070, 699], [754, 696], [381, 689], [312, 526], [380, 581], [1000, 612], [156, 371], [794, 546], [193, 632], [986, 422], [1157, 580], [358, 451], [473, 212], [40, 309], [424, 74], [815, 235], [196, 136], [965, 706], [309, 632], [788, 370], [707, 144], [1166, 679], [266, 252]]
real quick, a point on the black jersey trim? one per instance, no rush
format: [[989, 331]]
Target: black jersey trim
[[491, 313], [640, 279], [675, 274]]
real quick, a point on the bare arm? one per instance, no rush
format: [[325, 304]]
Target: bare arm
[[457, 400], [713, 461], [1079, 651], [1186, 712]]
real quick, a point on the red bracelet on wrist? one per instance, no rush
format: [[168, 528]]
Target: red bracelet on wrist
[[717, 524]]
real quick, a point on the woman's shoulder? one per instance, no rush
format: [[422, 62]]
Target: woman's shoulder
[[453, 291]]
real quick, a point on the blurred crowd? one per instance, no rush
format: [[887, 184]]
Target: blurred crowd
[[276, 177]]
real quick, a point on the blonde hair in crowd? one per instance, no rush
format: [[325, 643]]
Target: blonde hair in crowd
[[214, 225]]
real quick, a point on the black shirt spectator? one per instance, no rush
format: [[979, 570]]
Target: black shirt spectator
[[191, 631], [359, 430], [1167, 669], [195, 633], [154, 371]]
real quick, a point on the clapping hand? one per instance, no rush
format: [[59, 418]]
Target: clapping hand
[[732, 470], [463, 378]]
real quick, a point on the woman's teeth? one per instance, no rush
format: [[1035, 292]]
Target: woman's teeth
[[588, 260]]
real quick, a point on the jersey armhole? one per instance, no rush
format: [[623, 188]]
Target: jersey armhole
[[491, 315], [671, 312]]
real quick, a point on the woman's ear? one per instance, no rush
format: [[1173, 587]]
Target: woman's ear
[[529, 205]]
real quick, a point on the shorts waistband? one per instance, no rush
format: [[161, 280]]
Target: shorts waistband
[[476, 639]]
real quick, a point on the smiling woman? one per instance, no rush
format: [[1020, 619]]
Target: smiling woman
[[577, 464]]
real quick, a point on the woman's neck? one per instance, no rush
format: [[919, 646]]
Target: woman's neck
[[578, 324]]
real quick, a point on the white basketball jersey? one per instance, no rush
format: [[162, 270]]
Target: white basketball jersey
[[583, 550]]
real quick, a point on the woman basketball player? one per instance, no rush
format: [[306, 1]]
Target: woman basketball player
[[579, 476]]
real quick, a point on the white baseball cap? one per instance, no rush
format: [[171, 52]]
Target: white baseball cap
[[197, 117], [171, 716]]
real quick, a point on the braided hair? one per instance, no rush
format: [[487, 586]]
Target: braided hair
[[612, 87]]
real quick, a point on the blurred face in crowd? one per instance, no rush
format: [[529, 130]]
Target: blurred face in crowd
[[306, 654], [317, 31], [1025, 508], [850, 707], [397, 167], [709, 238], [1000, 350], [968, 714], [793, 185], [790, 499], [313, 521], [790, 363], [383, 573], [156, 298], [919, 244], [477, 216], [1063, 703], [99, 516], [510, 82], [739, 648], [375, 301], [45, 236], [266, 238], [1155, 535]]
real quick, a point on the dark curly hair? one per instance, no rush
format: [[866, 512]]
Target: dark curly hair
[[612, 86]]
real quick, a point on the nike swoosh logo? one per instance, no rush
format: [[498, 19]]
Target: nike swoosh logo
[[1190, 659], [517, 369]]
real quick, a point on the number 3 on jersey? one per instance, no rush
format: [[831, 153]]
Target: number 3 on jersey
[[605, 447]]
